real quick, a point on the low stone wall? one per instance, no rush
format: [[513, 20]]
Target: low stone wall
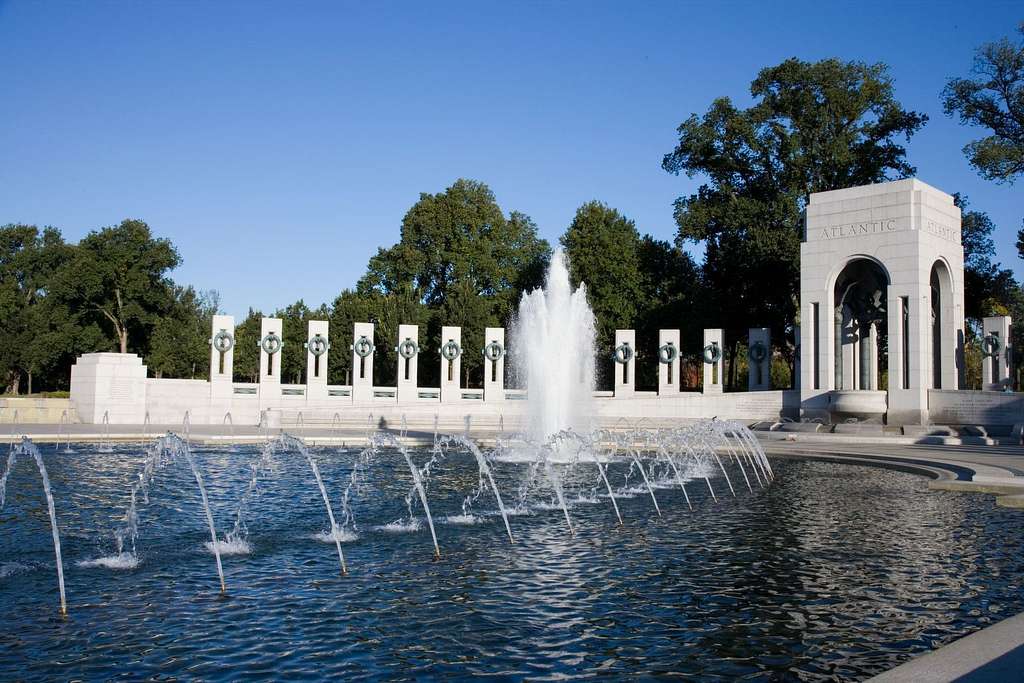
[[990, 408], [36, 410]]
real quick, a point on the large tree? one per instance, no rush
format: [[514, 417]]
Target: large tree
[[179, 344], [633, 282], [119, 277], [993, 99], [603, 248], [459, 254], [41, 335], [814, 126]]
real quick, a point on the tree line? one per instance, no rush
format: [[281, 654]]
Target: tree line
[[463, 260]]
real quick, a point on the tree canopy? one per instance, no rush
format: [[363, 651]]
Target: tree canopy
[[814, 126], [993, 99], [459, 261], [118, 278]]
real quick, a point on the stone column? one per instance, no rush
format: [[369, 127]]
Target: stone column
[[451, 364], [909, 354], [624, 363], [317, 348], [759, 359], [222, 356], [797, 369], [407, 352], [271, 343], [873, 341], [668, 372], [714, 361], [997, 352], [494, 364], [363, 352], [848, 347]]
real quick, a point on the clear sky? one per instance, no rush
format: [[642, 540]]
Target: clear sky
[[278, 145]]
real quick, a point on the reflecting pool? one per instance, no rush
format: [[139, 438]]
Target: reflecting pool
[[830, 572]]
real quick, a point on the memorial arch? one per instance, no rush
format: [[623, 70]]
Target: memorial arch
[[881, 289]]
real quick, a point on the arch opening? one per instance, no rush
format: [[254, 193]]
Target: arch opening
[[861, 331]]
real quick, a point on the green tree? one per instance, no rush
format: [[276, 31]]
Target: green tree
[[987, 285], [348, 308], [246, 357], [603, 248], [40, 334], [119, 279], [671, 296], [993, 99], [179, 346], [295, 324], [814, 126], [458, 253]]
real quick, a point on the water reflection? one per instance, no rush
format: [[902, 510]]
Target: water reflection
[[832, 572]]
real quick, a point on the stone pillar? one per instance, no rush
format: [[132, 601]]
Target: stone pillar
[[797, 369], [317, 348], [407, 352], [997, 352], [363, 352], [624, 364], [271, 344], [910, 371], [847, 335], [873, 341], [668, 372], [112, 383], [714, 361], [222, 356], [759, 359], [494, 364], [451, 364]]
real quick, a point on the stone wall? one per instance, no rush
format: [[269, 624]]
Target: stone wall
[[988, 408], [36, 410]]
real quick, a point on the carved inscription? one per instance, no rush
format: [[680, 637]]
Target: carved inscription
[[946, 232], [833, 232]]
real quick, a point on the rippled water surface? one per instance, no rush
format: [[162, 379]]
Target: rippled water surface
[[833, 572]]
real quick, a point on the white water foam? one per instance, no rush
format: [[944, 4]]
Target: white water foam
[[120, 562], [400, 526], [230, 546], [463, 519], [339, 535]]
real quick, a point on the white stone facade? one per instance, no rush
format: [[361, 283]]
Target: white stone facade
[[910, 233], [881, 268]]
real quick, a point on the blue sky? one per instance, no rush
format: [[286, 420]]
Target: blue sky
[[278, 145]]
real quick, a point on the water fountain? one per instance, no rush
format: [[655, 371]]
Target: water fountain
[[163, 451], [231, 427], [64, 431], [29, 449], [553, 337], [442, 444], [106, 446], [235, 541]]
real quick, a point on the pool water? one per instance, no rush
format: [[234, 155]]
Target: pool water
[[833, 572]]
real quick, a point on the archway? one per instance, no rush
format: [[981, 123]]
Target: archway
[[859, 309], [943, 342]]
